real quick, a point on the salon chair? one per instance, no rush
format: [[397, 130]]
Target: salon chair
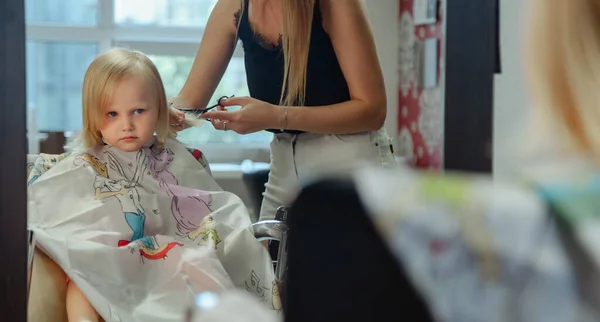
[[338, 266], [255, 178], [30, 252], [52, 142], [275, 231]]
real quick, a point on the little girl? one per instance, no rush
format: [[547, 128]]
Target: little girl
[[136, 223]]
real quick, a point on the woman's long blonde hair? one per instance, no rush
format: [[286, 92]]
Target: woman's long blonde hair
[[297, 21], [564, 67], [100, 80]]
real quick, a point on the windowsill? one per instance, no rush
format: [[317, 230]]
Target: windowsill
[[233, 171], [234, 153]]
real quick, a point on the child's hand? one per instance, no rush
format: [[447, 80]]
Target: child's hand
[[176, 119]]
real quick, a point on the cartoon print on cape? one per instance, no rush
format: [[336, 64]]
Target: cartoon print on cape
[[117, 215], [255, 286], [190, 208], [42, 164], [128, 196]]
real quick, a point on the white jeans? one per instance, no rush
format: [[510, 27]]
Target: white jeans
[[296, 158]]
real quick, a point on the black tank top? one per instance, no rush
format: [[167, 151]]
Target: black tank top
[[325, 82]]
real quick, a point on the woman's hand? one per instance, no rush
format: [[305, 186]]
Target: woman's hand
[[255, 115]]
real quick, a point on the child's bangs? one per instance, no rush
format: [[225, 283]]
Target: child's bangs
[[105, 98]]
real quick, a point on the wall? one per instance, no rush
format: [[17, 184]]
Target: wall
[[383, 17], [420, 121], [511, 100]]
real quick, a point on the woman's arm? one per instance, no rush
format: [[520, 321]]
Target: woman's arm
[[215, 51], [346, 23]]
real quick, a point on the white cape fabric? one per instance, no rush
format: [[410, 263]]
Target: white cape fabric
[[235, 306], [142, 232]]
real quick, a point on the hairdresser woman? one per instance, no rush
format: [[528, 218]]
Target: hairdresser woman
[[314, 80]]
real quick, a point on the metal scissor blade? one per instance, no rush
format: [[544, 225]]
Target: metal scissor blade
[[199, 111]]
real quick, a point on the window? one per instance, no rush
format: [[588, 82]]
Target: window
[[62, 12], [163, 13], [54, 76], [64, 36]]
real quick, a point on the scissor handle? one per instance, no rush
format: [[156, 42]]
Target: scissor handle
[[223, 98]]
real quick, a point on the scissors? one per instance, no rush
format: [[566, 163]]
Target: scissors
[[199, 111]]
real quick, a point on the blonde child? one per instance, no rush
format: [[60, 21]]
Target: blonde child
[[131, 217]]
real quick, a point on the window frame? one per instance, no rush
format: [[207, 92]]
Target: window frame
[[152, 40]]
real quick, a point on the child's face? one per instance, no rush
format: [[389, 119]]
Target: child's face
[[130, 119]]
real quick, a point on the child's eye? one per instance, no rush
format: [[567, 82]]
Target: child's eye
[[138, 111], [111, 114]]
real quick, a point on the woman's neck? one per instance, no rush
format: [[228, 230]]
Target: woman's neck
[[265, 18]]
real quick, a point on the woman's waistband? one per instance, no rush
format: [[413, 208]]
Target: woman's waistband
[[284, 131]]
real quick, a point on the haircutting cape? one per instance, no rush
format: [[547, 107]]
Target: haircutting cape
[[486, 251], [142, 232]]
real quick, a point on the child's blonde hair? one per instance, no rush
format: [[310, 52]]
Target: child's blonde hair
[[100, 81], [564, 67]]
